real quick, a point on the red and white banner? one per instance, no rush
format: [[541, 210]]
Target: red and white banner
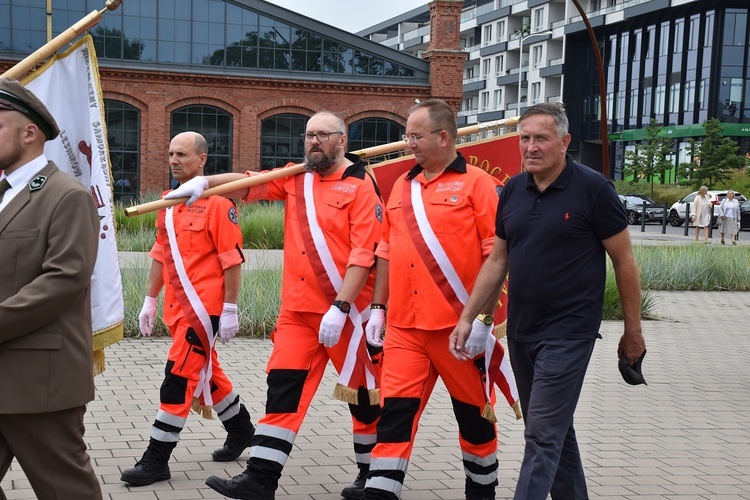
[[68, 84]]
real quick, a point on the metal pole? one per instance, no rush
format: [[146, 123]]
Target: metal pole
[[520, 73], [602, 89]]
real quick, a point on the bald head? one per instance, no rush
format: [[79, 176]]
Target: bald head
[[187, 155]]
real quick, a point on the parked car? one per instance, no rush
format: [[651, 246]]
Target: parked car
[[676, 213], [745, 215], [634, 208]]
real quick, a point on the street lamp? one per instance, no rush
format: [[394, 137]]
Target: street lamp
[[520, 63]]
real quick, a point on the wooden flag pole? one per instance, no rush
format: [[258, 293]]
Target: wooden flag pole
[[49, 48], [300, 167]]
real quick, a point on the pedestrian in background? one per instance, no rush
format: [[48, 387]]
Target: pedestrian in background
[[196, 259], [701, 214], [556, 222], [49, 234], [729, 211]]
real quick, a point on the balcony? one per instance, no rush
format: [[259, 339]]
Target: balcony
[[468, 112]]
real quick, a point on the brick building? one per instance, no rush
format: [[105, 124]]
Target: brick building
[[245, 73]]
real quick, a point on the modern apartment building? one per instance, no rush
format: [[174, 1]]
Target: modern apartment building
[[680, 62]]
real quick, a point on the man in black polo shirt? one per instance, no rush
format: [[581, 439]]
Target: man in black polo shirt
[[555, 223]]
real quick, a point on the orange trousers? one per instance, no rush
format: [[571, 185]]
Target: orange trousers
[[412, 361], [295, 369]]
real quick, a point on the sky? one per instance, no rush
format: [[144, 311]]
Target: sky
[[350, 15]]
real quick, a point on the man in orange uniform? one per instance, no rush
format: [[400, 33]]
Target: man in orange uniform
[[438, 229], [196, 259], [331, 226]]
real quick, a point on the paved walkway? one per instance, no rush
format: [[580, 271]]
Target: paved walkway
[[684, 436]]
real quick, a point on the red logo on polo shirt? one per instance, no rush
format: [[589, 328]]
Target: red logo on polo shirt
[[566, 216]]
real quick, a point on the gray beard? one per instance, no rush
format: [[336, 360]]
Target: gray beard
[[321, 164]]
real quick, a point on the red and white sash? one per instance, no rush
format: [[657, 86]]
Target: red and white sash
[[441, 269], [357, 358], [190, 303]]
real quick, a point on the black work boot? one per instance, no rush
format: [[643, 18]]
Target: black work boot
[[239, 434], [356, 490], [153, 467], [243, 486]]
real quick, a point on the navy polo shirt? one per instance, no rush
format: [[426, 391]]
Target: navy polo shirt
[[556, 261]]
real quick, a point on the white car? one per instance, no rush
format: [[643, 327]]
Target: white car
[[676, 213]]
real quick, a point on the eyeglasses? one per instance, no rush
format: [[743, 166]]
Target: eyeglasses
[[320, 136], [413, 137]]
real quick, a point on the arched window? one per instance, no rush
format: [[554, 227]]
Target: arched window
[[370, 132], [215, 125], [124, 138], [281, 140]]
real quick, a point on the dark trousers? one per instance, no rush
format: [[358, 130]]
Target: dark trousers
[[549, 375], [52, 453]]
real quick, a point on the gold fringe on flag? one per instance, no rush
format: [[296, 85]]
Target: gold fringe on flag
[[102, 339], [489, 413], [345, 394], [374, 396], [202, 410], [517, 409]]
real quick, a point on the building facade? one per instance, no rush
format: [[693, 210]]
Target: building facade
[[245, 73], [680, 62]]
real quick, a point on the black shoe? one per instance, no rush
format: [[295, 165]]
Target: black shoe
[[239, 434], [242, 486], [356, 490], [146, 472], [153, 467]]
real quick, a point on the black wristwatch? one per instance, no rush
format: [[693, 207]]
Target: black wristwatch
[[487, 319], [343, 306]]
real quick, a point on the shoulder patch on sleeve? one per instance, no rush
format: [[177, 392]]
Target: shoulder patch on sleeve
[[232, 214], [498, 190], [379, 212]]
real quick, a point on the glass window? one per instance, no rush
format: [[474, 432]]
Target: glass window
[[498, 99], [538, 50], [198, 33], [123, 137], [486, 68], [539, 19], [499, 60], [501, 31], [370, 132], [536, 92], [487, 38], [215, 125], [280, 140], [485, 101]]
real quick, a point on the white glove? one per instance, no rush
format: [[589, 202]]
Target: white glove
[[192, 189], [331, 326], [228, 322], [477, 341], [147, 315], [374, 328]]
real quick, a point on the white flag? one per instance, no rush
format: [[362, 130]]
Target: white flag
[[68, 84]]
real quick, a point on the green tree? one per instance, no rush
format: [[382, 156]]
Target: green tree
[[686, 170], [649, 160], [717, 156]]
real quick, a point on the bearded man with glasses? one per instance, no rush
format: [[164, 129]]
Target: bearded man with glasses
[[331, 227]]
